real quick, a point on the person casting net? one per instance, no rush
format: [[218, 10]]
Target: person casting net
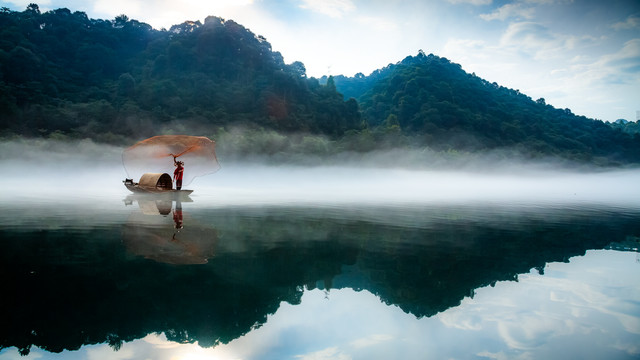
[[178, 172], [187, 157]]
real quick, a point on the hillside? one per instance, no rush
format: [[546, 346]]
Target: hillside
[[65, 75], [432, 98], [61, 71]]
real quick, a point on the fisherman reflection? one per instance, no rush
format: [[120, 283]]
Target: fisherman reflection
[[177, 215], [177, 219], [158, 233]]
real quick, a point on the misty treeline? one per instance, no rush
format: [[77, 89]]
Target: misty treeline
[[65, 76]]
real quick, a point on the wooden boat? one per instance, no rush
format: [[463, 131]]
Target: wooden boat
[[154, 184], [160, 154]]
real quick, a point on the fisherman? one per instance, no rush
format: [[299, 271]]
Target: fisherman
[[177, 173]]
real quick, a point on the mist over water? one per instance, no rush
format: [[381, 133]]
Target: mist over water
[[54, 184], [360, 258], [84, 170], [341, 185]]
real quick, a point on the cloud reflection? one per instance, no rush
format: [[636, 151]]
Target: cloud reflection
[[573, 307], [587, 308]]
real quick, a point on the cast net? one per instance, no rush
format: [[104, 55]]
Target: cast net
[[156, 155]]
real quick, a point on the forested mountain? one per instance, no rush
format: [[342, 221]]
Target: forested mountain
[[627, 126], [434, 99], [62, 73]]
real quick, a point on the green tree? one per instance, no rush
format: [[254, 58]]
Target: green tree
[[126, 85], [33, 8]]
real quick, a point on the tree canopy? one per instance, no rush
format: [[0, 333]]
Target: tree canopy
[[61, 71], [115, 80], [432, 98]]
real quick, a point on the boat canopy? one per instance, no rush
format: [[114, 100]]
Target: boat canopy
[[156, 181]]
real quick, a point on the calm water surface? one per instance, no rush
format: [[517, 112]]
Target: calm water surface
[[239, 271]]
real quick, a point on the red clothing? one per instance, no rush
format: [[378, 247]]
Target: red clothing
[[177, 218], [177, 173]]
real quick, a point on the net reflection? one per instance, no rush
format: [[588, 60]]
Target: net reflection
[[157, 231]]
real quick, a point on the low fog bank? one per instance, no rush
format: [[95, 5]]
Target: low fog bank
[[249, 185], [80, 170], [240, 145], [86, 155], [45, 168], [79, 154], [268, 147], [493, 162]]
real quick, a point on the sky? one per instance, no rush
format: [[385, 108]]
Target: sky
[[578, 54]]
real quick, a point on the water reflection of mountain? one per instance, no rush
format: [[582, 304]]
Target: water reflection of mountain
[[68, 287]]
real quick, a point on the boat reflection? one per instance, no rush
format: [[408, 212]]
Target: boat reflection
[[157, 232]]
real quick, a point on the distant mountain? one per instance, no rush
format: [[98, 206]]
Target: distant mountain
[[435, 99], [627, 126], [65, 75]]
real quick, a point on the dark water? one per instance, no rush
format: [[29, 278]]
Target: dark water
[[113, 276]]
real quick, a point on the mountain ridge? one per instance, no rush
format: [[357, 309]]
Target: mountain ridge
[[431, 96], [64, 74]]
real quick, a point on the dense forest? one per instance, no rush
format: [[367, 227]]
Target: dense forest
[[438, 102], [64, 72], [64, 75]]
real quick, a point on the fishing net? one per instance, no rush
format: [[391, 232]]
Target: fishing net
[[156, 155]]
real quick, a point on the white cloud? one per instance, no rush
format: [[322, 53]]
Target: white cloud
[[465, 44], [22, 4], [331, 353], [546, 2], [160, 341], [13, 354], [104, 352], [631, 349], [507, 11], [498, 356], [626, 60], [527, 35], [371, 340], [376, 23], [132, 9], [632, 22], [165, 13], [565, 69], [529, 331], [472, 2], [331, 8], [470, 53], [561, 308], [538, 42], [491, 62], [621, 67]]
